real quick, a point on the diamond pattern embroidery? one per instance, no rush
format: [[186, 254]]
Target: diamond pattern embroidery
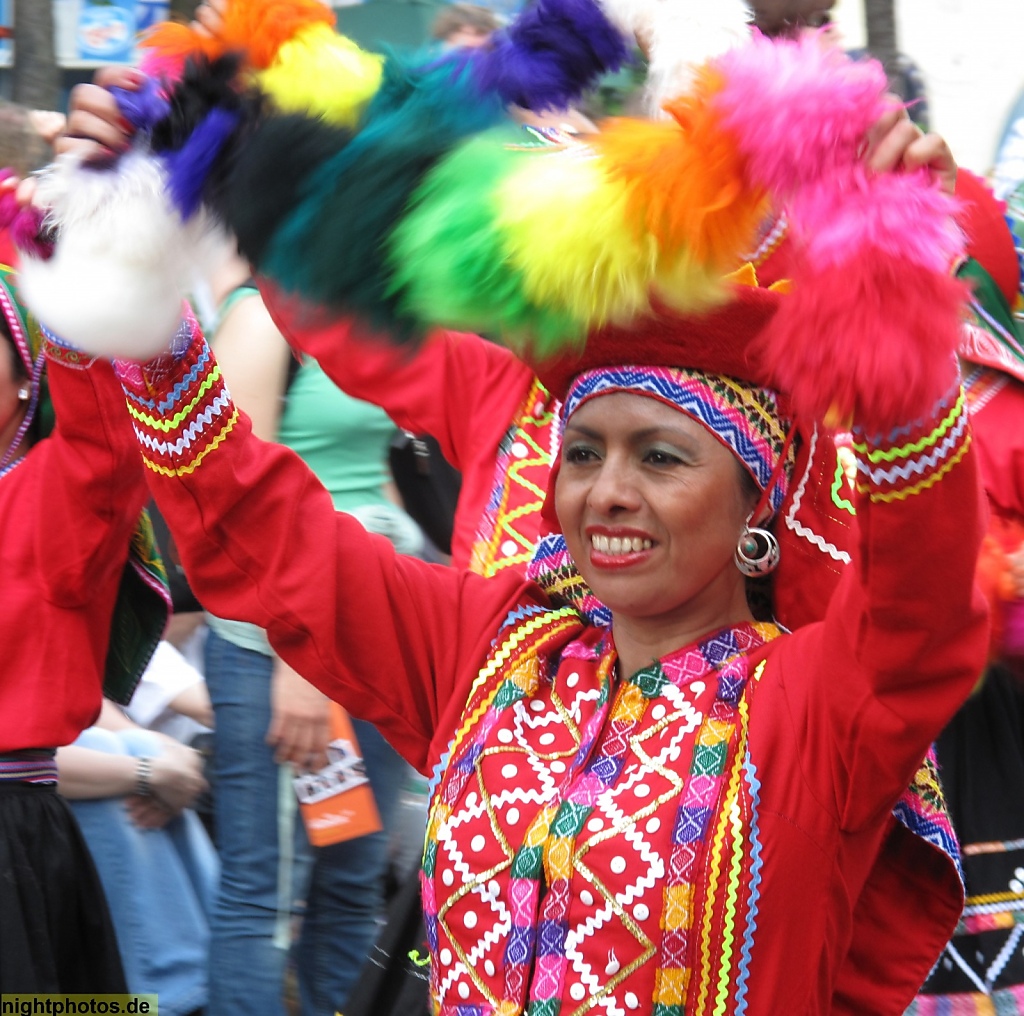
[[528, 751], [627, 837]]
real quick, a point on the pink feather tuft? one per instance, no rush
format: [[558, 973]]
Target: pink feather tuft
[[903, 215], [28, 235], [798, 110], [166, 67], [871, 340]]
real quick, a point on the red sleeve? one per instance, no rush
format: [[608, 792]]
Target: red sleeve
[[996, 419], [89, 487], [461, 389], [905, 635], [389, 637]]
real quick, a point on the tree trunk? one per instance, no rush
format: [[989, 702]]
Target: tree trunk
[[36, 80], [882, 43]]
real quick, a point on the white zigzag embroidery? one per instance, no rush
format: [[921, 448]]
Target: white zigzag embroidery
[[798, 527], [915, 466], [189, 434]]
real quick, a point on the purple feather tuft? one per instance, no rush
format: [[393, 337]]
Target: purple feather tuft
[[142, 108], [553, 52], [189, 166]]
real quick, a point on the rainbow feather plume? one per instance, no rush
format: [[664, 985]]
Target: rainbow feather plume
[[266, 178], [412, 205], [256, 28], [553, 52], [349, 205], [323, 74]]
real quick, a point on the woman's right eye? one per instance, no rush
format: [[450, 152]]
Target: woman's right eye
[[579, 454]]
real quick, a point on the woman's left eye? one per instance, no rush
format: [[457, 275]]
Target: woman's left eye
[[660, 457]]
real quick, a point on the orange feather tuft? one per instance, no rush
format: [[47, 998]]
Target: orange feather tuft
[[171, 43], [259, 28], [686, 179]]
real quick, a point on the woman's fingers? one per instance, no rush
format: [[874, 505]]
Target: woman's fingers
[[895, 142], [886, 149], [209, 19], [113, 76], [95, 128], [932, 151]]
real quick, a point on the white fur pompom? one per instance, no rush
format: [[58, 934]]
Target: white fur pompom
[[123, 258], [679, 36]]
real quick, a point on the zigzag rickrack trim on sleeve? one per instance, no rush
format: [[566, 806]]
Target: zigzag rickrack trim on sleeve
[[180, 407], [913, 458]]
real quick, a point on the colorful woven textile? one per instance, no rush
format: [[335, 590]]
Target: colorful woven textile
[[525, 458], [911, 459], [178, 431], [534, 787], [1007, 1002]]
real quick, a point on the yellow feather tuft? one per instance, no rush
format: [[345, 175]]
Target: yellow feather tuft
[[324, 74], [566, 226]]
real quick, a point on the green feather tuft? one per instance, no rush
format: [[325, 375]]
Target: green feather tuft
[[351, 203], [448, 260]]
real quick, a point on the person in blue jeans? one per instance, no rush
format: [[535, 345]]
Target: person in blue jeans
[[154, 858], [269, 721]]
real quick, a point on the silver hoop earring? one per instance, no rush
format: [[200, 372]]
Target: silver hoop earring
[[757, 552]]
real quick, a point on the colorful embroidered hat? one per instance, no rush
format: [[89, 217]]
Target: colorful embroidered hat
[[989, 240], [992, 270], [794, 463]]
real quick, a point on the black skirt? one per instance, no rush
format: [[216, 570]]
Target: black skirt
[[55, 930]]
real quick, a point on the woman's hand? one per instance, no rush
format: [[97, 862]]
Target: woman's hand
[[300, 728], [896, 142], [24, 190], [176, 777], [96, 130], [209, 18]]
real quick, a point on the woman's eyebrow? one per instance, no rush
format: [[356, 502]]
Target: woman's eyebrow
[[643, 434]]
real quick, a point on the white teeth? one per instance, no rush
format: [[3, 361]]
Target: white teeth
[[619, 545]]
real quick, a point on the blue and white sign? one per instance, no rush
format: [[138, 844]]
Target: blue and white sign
[[94, 32], [6, 31], [106, 30]]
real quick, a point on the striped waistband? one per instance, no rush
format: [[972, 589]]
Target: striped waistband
[[34, 765]]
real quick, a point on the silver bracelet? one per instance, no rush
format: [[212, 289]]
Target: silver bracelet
[[143, 772]]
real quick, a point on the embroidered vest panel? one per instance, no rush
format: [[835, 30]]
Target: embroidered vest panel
[[592, 842], [510, 524]]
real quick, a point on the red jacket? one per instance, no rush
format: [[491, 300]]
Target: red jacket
[[851, 911], [67, 512]]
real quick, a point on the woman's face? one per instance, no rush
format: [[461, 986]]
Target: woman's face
[[652, 506]]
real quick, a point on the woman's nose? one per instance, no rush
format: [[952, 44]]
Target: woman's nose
[[614, 489]]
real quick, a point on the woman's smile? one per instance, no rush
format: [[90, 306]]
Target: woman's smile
[[612, 547]]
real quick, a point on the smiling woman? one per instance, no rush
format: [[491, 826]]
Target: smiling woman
[[644, 800], [652, 506], [615, 807]]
